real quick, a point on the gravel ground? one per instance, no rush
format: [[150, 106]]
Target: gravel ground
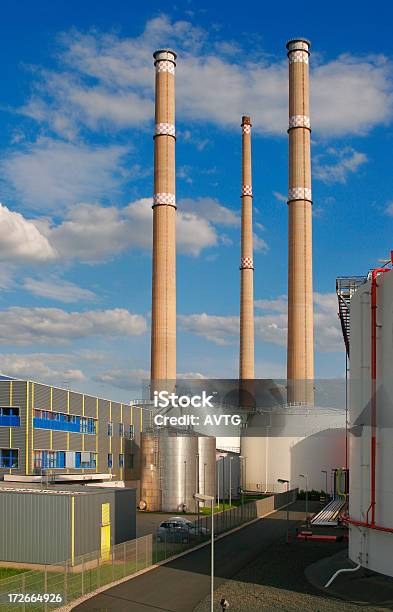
[[276, 581]]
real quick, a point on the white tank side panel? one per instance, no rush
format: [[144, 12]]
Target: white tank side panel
[[373, 548]]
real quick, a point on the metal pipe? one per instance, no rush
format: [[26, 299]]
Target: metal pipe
[[341, 571]]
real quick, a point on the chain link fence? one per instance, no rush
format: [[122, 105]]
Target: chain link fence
[[54, 586]]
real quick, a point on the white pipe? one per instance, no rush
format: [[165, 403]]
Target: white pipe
[[341, 571]]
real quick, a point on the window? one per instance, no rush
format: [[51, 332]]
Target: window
[[131, 433], [121, 460], [9, 416], [121, 430], [9, 458], [110, 460], [130, 462], [110, 429], [60, 421]]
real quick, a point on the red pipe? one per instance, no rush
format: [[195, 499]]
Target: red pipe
[[367, 524]]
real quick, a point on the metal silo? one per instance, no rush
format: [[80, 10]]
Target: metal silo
[[150, 472], [207, 465], [178, 459]]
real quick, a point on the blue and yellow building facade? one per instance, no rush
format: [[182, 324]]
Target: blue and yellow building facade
[[48, 429]]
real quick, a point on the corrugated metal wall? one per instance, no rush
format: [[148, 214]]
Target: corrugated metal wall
[[125, 515], [88, 521], [34, 527]]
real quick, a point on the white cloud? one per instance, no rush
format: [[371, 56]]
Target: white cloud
[[123, 378], [107, 81], [343, 162], [259, 244], [20, 325], [389, 209], [52, 174], [210, 209], [280, 197], [21, 241], [270, 327], [43, 367], [57, 289], [91, 233]]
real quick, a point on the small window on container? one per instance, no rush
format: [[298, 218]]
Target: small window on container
[[110, 460]]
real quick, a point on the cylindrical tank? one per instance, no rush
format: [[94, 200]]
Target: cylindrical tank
[[290, 442], [370, 463], [178, 462], [207, 465], [150, 472]]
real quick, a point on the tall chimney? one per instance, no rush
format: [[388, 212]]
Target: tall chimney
[[163, 323], [246, 369], [300, 358]]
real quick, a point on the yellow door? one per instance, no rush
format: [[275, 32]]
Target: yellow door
[[105, 532], [105, 542]]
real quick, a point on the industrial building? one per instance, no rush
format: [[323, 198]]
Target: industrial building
[[71, 435], [46, 526], [367, 321]]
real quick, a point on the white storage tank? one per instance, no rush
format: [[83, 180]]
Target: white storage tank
[[207, 465], [371, 531], [289, 441]]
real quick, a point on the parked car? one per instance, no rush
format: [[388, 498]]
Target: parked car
[[178, 529]]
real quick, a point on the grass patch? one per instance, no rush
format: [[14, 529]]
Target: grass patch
[[6, 572]]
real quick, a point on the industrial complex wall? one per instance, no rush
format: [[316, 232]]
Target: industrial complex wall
[[113, 446]]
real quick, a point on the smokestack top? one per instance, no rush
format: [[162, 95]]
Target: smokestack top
[[246, 120], [165, 54], [298, 44]]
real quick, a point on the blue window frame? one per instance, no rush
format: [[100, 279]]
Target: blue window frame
[[9, 416], [121, 430], [9, 458], [110, 460], [121, 460], [47, 459], [59, 421], [131, 433], [110, 429]]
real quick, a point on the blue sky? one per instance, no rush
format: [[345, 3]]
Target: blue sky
[[76, 157]]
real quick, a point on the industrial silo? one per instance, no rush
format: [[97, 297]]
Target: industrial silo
[[207, 465], [178, 462], [370, 517], [150, 472]]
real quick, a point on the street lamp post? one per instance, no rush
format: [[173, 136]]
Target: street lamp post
[[305, 476], [283, 481], [326, 483], [230, 481], [209, 498]]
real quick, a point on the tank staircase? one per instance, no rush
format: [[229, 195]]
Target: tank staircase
[[345, 288], [330, 514]]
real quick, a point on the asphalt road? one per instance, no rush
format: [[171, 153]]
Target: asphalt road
[[180, 585]]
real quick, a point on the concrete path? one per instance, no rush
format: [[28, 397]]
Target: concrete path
[[180, 585]]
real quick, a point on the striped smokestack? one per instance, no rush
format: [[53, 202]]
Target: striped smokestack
[[163, 323], [300, 364], [246, 369]]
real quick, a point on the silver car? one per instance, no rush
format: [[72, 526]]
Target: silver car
[[178, 529]]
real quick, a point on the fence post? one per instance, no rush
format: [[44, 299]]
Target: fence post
[[24, 590], [147, 551], [65, 581], [98, 572], [83, 575], [46, 583], [136, 554], [113, 563], [124, 559]]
